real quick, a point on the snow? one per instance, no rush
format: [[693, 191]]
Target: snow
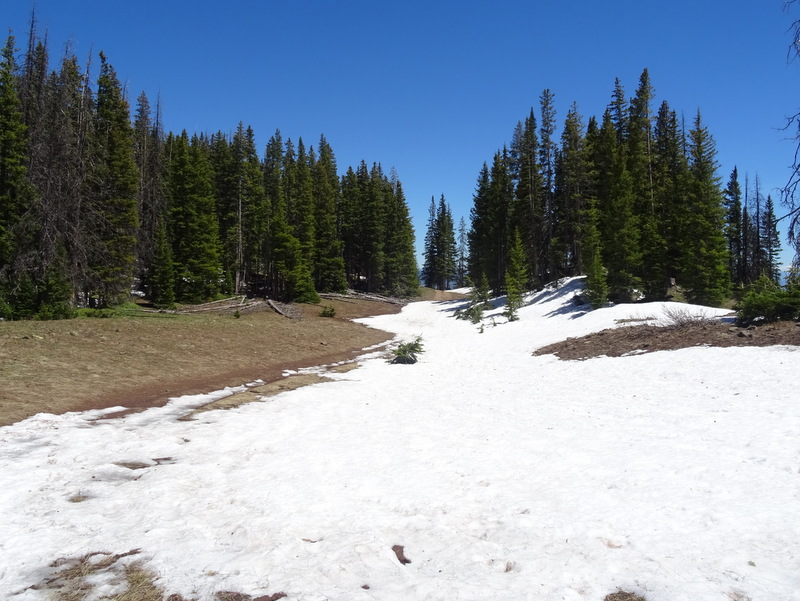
[[674, 475]]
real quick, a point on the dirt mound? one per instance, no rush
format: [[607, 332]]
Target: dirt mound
[[645, 338]]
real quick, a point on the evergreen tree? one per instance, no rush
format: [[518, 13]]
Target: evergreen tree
[[480, 232], [515, 278], [400, 263], [771, 244], [152, 204], [329, 266], [15, 192], [751, 248], [529, 197], [446, 245], [193, 222], [548, 150], [429, 250], [500, 202], [596, 286], [162, 270], [705, 260], [670, 176], [572, 182], [462, 254], [733, 227], [619, 232], [112, 215]]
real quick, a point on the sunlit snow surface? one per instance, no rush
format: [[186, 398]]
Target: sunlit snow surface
[[675, 475]]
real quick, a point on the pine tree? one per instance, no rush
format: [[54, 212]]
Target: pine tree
[[619, 232], [112, 216], [548, 150], [446, 245], [515, 278], [149, 154], [572, 182], [529, 197], [480, 232], [400, 263], [429, 250], [162, 270], [705, 259], [670, 177], [733, 227], [193, 222], [500, 203], [771, 244], [329, 266], [15, 191], [462, 254], [596, 286]]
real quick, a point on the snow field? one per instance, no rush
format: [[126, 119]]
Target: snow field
[[675, 475]]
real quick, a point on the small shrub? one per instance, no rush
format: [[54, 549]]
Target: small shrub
[[406, 353], [678, 317], [766, 301], [236, 314], [474, 313], [327, 311]]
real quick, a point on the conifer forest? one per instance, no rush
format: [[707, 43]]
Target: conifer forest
[[631, 199], [97, 200]]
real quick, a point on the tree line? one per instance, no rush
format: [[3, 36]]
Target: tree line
[[631, 199], [95, 202]]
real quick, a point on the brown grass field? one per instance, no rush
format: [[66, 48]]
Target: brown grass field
[[143, 359]]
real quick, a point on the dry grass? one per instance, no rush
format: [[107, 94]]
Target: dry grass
[[623, 596], [75, 579], [143, 359]]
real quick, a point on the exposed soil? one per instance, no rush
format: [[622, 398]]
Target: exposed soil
[[142, 360], [646, 338]]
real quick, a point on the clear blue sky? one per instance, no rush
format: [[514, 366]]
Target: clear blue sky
[[433, 89]]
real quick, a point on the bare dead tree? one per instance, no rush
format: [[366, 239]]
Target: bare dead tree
[[789, 192]]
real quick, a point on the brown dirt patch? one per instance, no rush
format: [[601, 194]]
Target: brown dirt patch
[[264, 391], [142, 360], [625, 340]]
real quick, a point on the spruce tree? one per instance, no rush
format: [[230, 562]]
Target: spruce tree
[[480, 233], [670, 177], [572, 182], [329, 266], [429, 250], [462, 254], [771, 244], [193, 222], [162, 269], [515, 277], [112, 215], [705, 258], [619, 232], [400, 264], [596, 285], [529, 196], [548, 150], [733, 227], [15, 191]]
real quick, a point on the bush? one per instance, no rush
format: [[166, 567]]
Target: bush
[[677, 317], [406, 353], [766, 301], [327, 311]]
